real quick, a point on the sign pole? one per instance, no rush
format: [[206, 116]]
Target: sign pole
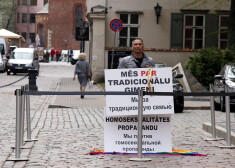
[[113, 49]]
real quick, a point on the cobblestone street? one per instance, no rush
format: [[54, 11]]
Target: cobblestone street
[[65, 135]]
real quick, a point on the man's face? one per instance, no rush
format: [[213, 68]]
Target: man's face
[[137, 46]]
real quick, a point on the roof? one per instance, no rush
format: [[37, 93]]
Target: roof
[[44, 9], [10, 35]]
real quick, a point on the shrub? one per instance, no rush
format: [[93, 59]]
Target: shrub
[[205, 64]]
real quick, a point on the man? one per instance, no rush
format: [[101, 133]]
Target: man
[[70, 54], [52, 54], [57, 53], [138, 59]]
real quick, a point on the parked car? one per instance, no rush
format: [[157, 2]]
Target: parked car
[[12, 48], [3, 54], [21, 60], [2, 64], [225, 77], [177, 87], [178, 100]]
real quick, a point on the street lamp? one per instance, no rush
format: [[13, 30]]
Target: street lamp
[[158, 10], [83, 29]]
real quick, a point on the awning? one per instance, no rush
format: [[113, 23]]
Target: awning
[[10, 35]]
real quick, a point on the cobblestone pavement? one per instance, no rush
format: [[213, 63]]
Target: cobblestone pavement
[[65, 135]]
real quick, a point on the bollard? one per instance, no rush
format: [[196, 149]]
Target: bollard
[[18, 118], [228, 125], [32, 79], [18, 94], [140, 130], [22, 114], [213, 118], [28, 118]]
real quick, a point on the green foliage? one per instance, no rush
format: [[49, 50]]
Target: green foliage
[[207, 63]]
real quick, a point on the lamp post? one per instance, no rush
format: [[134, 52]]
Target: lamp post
[[158, 10], [83, 30], [65, 55]]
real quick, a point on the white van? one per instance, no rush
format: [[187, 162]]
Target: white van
[[21, 60]]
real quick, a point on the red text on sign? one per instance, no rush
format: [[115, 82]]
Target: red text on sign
[[146, 73]]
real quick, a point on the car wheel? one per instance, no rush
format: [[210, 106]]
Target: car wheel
[[179, 109], [14, 73], [222, 103], [216, 105], [8, 73]]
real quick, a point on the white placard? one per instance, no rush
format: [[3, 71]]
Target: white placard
[[120, 134], [131, 80]]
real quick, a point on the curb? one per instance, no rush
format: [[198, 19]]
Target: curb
[[220, 131], [196, 108]]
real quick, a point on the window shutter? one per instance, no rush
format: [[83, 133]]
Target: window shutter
[[211, 35], [177, 30]]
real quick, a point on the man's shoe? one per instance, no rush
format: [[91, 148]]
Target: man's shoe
[[82, 96]]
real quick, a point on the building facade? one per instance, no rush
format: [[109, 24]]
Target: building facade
[[26, 19], [171, 36], [57, 23], [181, 29]]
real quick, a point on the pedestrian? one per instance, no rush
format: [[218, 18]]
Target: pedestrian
[[52, 53], [83, 72], [70, 54], [57, 53], [138, 59]]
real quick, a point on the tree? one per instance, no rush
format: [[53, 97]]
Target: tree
[[8, 11], [207, 63]]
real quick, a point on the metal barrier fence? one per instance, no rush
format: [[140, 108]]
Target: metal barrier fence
[[23, 100]]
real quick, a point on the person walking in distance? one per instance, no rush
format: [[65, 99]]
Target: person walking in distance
[[83, 72], [57, 53], [70, 54], [138, 59], [52, 54]]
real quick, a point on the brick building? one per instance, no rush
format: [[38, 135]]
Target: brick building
[[57, 22]]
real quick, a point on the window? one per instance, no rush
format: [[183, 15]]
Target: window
[[23, 34], [194, 31], [24, 2], [45, 2], [33, 2], [32, 37], [18, 18], [32, 18], [130, 29], [223, 31], [24, 18]]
